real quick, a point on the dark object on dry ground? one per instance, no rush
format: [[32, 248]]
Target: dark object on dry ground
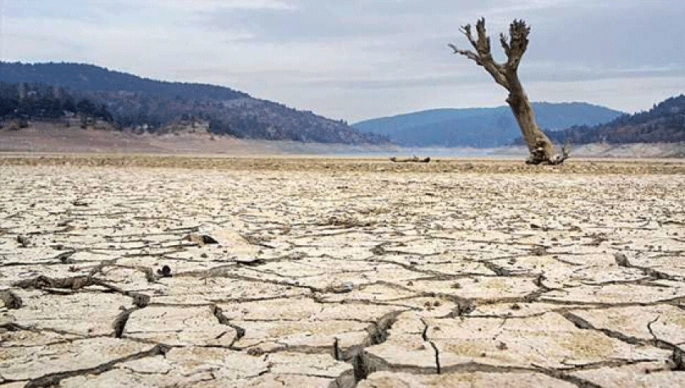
[[64, 257], [413, 159], [201, 239], [12, 301], [23, 240], [140, 300], [506, 75], [622, 260], [72, 283], [165, 271], [250, 262]]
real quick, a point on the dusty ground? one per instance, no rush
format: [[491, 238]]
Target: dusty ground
[[46, 137], [603, 150], [340, 273]]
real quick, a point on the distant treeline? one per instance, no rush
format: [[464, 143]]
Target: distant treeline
[[38, 101], [89, 78]]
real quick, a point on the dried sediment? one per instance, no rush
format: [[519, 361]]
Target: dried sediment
[[467, 279]]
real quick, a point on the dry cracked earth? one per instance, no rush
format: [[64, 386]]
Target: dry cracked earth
[[224, 278]]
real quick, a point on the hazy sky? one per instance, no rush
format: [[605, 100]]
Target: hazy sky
[[357, 59]]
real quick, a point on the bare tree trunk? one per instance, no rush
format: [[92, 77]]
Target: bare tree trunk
[[539, 146], [506, 74]]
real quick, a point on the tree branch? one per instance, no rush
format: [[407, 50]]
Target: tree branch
[[484, 47], [483, 55], [467, 53], [518, 43], [503, 39], [466, 30]]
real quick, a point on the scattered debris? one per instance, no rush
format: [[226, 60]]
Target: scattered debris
[[255, 352], [140, 300], [45, 282], [250, 261], [64, 223], [539, 250], [341, 288], [598, 239], [347, 222], [64, 257], [414, 159]]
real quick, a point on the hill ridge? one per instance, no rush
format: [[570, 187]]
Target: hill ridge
[[663, 123], [137, 102], [479, 127]]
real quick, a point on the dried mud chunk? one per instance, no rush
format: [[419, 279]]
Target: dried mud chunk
[[622, 260], [11, 301], [23, 241], [201, 239]]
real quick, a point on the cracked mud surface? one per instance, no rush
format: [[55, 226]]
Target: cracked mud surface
[[339, 279]]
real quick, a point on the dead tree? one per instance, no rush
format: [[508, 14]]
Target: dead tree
[[506, 74]]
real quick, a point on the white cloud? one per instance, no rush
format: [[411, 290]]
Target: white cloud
[[356, 59], [199, 5]]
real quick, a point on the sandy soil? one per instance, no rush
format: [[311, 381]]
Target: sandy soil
[[340, 273], [47, 137], [343, 164]]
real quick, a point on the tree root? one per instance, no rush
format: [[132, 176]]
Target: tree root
[[540, 156]]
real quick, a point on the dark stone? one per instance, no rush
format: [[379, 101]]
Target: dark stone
[[23, 240], [165, 271], [12, 301]]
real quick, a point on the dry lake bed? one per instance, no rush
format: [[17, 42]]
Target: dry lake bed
[[215, 272]]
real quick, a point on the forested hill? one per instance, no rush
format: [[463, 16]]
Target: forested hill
[[664, 123], [89, 78], [480, 127], [136, 102]]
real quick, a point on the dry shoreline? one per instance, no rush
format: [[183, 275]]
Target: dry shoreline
[[47, 138], [344, 164]]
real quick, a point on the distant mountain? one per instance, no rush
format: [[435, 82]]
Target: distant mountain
[[664, 123], [142, 103], [480, 127]]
